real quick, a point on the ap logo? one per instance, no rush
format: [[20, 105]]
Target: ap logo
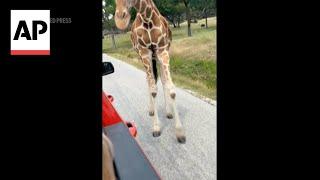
[[30, 32]]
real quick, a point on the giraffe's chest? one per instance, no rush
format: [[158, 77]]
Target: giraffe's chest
[[148, 37], [146, 34]]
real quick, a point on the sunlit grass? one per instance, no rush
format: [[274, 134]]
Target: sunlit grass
[[193, 59]]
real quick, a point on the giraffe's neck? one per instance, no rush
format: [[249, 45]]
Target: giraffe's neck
[[136, 5], [145, 8]]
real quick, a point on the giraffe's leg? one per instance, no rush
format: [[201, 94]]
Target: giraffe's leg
[[156, 123], [169, 86], [166, 90], [146, 59]]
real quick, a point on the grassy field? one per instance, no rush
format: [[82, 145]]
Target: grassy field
[[193, 59]]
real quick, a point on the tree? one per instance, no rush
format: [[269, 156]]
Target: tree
[[108, 19], [204, 6], [179, 9], [188, 15], [171, 9]]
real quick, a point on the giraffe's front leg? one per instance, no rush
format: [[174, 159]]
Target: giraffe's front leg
[[152, 95], [169, 88]]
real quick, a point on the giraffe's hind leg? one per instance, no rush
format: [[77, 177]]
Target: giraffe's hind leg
[[166, 89], [153, 113], [169, 89]]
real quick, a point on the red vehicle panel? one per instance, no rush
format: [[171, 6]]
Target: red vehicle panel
[[109, 114], [111, 117]]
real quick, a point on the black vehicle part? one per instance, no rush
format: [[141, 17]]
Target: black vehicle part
[[130, 161], [107, 68]]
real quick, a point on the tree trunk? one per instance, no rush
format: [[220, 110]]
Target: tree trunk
[[179, 22], [113, 41], [171, 21], [188, 16], [174, 23], [189, 23], [206, 19]]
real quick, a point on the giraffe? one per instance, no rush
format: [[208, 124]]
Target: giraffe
[[151, 38]]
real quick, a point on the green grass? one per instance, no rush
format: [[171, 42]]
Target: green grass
[[193, 59], [199, 76]]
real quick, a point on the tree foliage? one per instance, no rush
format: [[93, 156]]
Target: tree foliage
[[175, 11], [108, 11], [108, 23]]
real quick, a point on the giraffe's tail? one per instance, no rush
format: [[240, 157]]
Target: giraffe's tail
[[154, 67]]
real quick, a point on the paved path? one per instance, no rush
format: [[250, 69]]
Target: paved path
[[194, 160]]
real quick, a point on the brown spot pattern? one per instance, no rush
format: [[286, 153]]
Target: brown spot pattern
[[146, 39], [141, 42], [162, 42], [155, 19], [155, 33], [137, 5], [143, 6], [142, 32], [148, 12], [138, 22]]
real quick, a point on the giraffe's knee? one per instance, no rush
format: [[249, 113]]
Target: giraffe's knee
[[154, 94], [153, 88], [173, 95]]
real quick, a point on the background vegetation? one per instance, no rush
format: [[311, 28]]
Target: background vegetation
[[193, 50]]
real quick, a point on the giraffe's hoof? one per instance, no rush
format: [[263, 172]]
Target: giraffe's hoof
[[151, 113], [173, 95], [156, 133], [169, 116], [181, 139], [153, 94]]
